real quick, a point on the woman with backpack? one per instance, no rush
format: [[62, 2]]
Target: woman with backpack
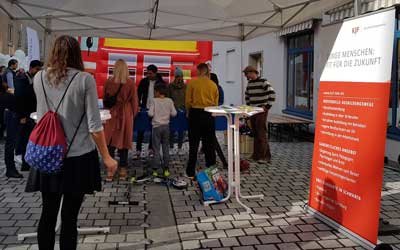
[[65, 89], [121, 98]]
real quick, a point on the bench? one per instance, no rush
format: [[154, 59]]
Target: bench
[[278, 125]]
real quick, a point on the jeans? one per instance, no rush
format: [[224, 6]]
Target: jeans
[[139, 141], [172, 134], [122, 153], [69, 216], [201, 127], [12, 123], [160, 140]]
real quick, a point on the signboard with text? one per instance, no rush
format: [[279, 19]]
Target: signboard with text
[[350, 135]]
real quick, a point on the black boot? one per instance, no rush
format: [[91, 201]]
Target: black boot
[[14, 174]]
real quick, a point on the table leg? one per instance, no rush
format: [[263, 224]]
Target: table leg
[[230, 163], [237, 170]]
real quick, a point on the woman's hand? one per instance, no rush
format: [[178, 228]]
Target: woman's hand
[[111, 165]]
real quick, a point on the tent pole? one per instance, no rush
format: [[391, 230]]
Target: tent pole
[[357, 7], [46, 39]]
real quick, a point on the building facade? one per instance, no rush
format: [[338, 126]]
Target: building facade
[[293, 60]]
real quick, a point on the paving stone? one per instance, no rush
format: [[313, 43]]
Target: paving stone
[[266, 247], [192, 236], [248, 240], [193, 244], [115, 238], [244, 248], [210, 243], [241, 224], [330, 243], [307, 236], [254, 231], [235, 232], [216, 234], [309, 245], [205, 226], [268, 239], [289, 237], [223, 225], [229, 242], [288, 246], [187, 228], [94, 239]]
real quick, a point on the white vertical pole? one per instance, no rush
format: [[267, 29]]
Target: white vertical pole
[[357, 7]]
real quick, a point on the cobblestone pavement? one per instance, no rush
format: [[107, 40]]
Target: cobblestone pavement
[[167, 218]]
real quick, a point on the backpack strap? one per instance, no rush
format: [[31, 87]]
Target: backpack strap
[[65, 92], [44, 91], [79, 125]]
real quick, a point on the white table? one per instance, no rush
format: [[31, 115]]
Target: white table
[[105, 115], [233, 115]]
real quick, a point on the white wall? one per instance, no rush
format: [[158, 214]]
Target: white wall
[[274, 66], [232, 89], [273, 49]]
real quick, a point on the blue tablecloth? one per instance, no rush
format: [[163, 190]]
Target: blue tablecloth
[[178, 123]]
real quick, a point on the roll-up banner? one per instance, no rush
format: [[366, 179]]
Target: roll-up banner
[[351, 125]]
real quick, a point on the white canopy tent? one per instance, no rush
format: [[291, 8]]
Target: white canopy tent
[[218, 20]]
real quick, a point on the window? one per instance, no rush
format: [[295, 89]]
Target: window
[[300, 71]]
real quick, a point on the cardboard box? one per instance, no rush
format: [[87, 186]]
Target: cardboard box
[[246, 144]]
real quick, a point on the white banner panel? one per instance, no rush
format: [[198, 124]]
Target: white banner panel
[[33, 45], [360, 50]]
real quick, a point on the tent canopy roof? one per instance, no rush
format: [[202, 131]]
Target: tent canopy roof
[[219, 20]]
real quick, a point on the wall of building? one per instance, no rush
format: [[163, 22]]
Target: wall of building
[[19, 33], [274, 65], [226, 64]]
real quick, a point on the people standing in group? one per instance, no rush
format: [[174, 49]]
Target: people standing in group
[[161, 110], [259, 93], [201, 92], [65, 82], [11, 121], [119, 129], [177, 92], [145, 96], [25, 105]]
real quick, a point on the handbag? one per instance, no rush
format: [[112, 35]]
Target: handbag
[[109, 101]]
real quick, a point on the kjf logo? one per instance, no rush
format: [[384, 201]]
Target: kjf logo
[[355, 30]]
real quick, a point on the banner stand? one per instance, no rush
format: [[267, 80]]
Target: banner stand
[[351, 235]]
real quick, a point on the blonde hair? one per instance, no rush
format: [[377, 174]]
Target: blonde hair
[[121, 72]]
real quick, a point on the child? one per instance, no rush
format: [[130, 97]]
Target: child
[[161, 109]]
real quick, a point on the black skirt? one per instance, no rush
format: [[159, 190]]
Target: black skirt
[[80, 174]]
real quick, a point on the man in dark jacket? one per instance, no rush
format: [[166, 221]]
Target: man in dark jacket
[[145, 97], [9, 75], [7, 103], [25, 105]]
